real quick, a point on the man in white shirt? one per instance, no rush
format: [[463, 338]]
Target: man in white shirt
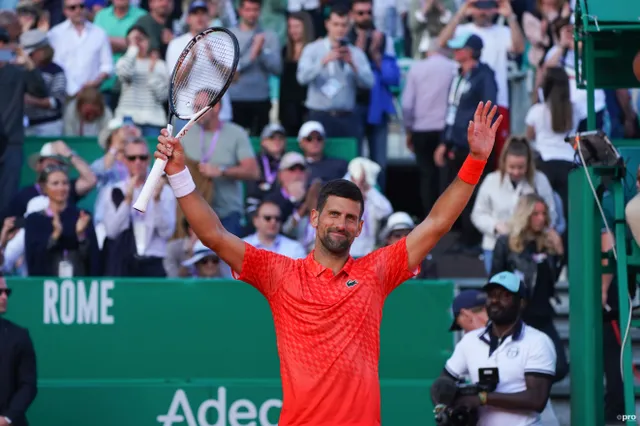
[[81, 49], [268, 222], [524, 358]]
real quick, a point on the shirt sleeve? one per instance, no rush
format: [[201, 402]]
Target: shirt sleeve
[[457, 364], [532, 115], [391, 264], [541, 358], [263, 269]]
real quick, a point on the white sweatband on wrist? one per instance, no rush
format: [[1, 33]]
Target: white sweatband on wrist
[[182, 183]]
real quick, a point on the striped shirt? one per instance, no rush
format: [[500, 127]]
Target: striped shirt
[[56, 83]]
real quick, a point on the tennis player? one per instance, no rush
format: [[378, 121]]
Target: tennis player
[[327, 307]]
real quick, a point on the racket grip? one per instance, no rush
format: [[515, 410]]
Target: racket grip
[[152, 181]]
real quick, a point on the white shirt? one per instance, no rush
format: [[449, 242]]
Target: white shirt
[[496, 46], [549, 144], [527, 351], [174, 50], [83, 56], [281, 245]]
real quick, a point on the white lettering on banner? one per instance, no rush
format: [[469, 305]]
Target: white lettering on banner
[[72, 303], [242, 409]]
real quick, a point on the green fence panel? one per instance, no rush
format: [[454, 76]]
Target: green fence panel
[[132, 344]]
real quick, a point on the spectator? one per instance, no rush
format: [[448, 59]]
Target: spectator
[[91, 68], [18, 79], [424, 105], [311, 138], [60, 241], [292, 111], [178, 251], [474, 83], [500, 191], [268, 223], [293, 178], [31, 16], [313, 8], [44, 114], [426, 18], [204, 263], [87, 114], [11, 24], [259, 57], [538, 27], [298, 225], [157, 24], [116, 20], [138, 242], [144, 84], [222, 13], [334, 70], [225, 157]]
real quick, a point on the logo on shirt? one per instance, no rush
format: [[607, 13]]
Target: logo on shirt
[[512, 352], [351, 283]]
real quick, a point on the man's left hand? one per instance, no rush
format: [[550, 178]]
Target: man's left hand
[[481, 133]]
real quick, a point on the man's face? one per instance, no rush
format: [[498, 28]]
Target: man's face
[[274, 145], [295, 173], [462, 55], [268, 220], [74, 11], [4, 295], [337, 26], [250, 12], [338, 224], [472, 319], [503, 307], [361, 14], [161, 7], [483, 17], [198, 20], [137, 158], [312, 145], [120, 3]]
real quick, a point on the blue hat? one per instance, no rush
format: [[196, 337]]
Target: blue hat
[[508, 280], [197, 5], [467, 299], [466, 40]]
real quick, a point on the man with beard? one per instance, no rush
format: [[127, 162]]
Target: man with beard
[[327, 307], [524, 357]]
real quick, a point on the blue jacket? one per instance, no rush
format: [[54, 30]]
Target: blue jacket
[[381, 101]]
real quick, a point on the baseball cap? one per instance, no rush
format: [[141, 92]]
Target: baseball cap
[[197, 5], [396, 221], [270, 130], [466, 41], [309, 127], [509, 281], [291, 159], [32, 40], [200, 251], [467, 299]]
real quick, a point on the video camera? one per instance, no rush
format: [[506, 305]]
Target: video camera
[[445, 391]]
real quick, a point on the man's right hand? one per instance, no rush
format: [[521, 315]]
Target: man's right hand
[[170, 150]]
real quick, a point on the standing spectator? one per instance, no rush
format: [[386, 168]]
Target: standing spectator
[[334, 69], [259, 58], [138, 242], [268, 223], [290, 192], [474, 83], [144, 84], [424, 106], [158, 25], [314, 8], [86, 114], [44, 114], [426, 19], [291, 109], [19, 384], [116, 20], [312, 142], [226, 157], [18, 78], [11, 24], [95, 63]]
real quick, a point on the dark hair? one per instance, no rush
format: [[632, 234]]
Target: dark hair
[[308, 33], [138, 28], [519, 147], [341, 188], [338, 9], [557, 96], [258, 2], [354, 2], [264, 202]]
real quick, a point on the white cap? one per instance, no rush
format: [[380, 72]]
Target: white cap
[[200, 251], [309, 127], [46, 151], [291, 159], [397, 221]]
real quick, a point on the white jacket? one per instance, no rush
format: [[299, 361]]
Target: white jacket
[[497, 199]]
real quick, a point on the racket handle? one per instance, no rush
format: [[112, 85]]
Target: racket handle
[[152, 181]]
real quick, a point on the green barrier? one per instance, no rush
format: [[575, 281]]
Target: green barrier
[[128, 347]]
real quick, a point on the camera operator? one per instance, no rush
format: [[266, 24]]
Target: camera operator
[[520, 360]]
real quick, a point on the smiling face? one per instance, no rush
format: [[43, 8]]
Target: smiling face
[[503, 307], [337, 224], [57, 187]]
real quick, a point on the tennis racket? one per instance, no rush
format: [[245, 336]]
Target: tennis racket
[[203, 72]]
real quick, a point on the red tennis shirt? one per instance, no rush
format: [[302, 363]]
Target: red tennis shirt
[[328, 331]]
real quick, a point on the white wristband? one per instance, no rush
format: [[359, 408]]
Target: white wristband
[[182, 183]]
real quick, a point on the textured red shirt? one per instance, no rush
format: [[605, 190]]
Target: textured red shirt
[[328, 331]]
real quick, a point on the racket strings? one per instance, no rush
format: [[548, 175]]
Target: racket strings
[[201, 76]]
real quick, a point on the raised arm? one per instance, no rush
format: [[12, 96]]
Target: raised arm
[[481, 134]]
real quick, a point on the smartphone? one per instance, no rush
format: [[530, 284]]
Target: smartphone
[[7, 55], [486, 4], [343, 42]]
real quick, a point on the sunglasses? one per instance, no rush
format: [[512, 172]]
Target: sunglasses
[[133, 158], [6, 291], [269, 218], [297, 168], [75, 6], [363, 13], [207, 260]]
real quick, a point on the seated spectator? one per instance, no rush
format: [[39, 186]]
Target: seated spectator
[[60, 155], [204, 263], [289, 193], [364, 173], [178, 251], [138, 242], [86, 114], [311, 138], [268, 223], [60, 241], [500, 191], [298, 225], [144, 84], [44, 114]]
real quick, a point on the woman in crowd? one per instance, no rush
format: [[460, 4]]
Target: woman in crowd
[[533, 250], [500, 190], [538, 27], [60, 240], [87, 114], [144, 84], [292, 112]]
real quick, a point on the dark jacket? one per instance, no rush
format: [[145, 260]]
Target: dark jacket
[[18, 383]]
